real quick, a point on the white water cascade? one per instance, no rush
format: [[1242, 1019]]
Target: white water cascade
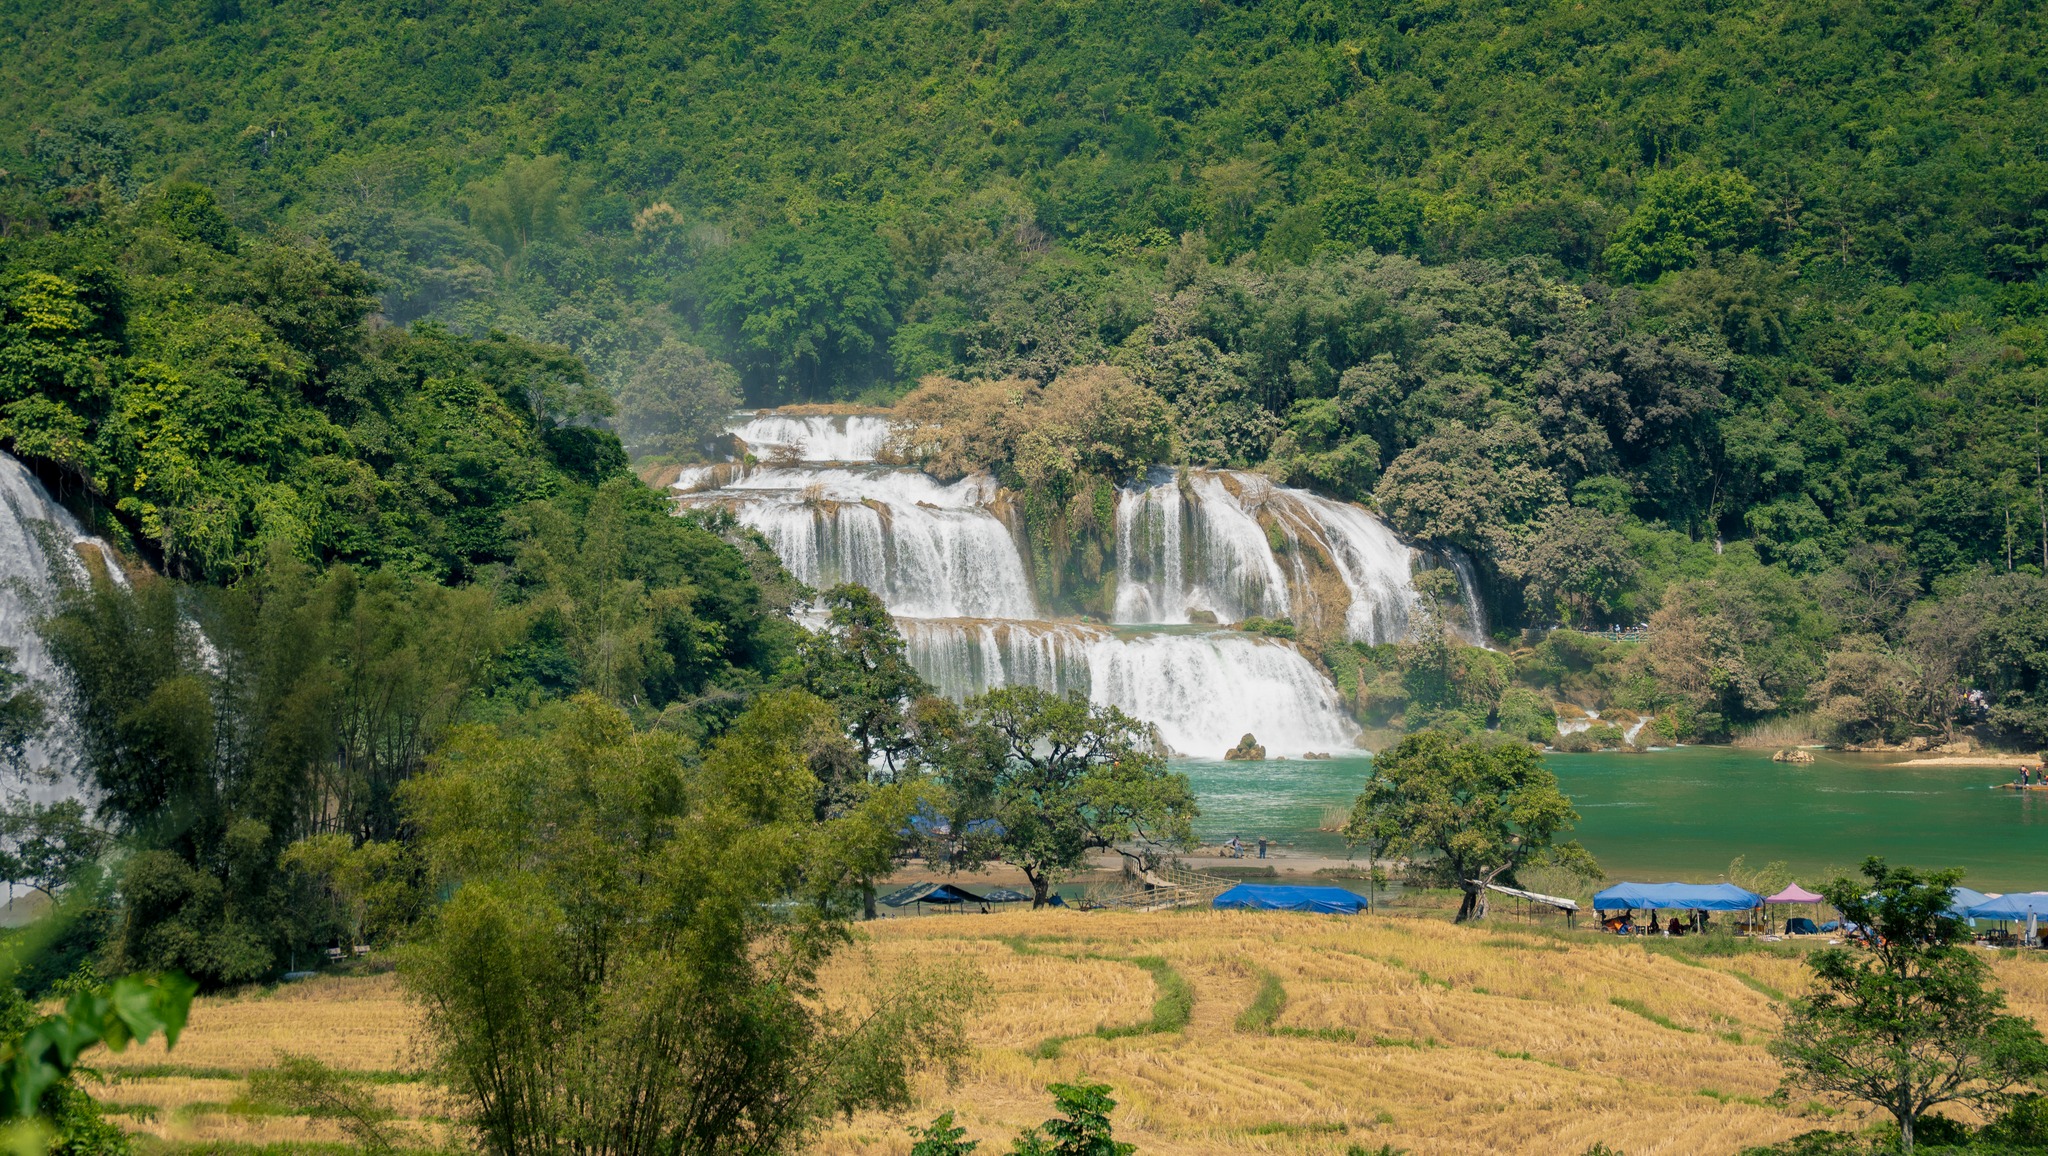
[[1203, 690], [42, 549], [843, 437], [1194, 552], [930, 550]]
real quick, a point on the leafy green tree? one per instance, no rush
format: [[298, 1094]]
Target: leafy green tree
[[676, 401], [1060, 777], [41, 1108], [1479, 810], [1683, 213], [1575, 564], [23, 716], [805, 312], [857, 663], [48, 846], [941, 1138], [630, 957], [531, 199], [1082, 1128], [1910, 1022]]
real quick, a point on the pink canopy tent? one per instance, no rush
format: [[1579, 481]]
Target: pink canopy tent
[[1796, 894]]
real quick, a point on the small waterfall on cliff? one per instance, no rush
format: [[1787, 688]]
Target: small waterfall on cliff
[[1235, 545], [1201, 550], [1203, 690], [42, 549], [930, 550], [856, 437]]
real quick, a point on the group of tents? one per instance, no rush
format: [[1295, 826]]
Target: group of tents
[[1243, 897], [2021, 906]]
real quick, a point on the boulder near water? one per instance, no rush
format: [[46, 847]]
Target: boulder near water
[[1246, 750], [1792, 755]]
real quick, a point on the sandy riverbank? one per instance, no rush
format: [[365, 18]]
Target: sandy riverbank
[[1988, 760]]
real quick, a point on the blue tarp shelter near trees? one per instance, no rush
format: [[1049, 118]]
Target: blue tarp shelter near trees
[[1270, 897], [2017, 905], [1676, 897], [1965, 899]]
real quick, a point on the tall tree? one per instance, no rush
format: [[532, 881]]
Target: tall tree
[[1039, 780], [1909, 1021], [629, 963], [1475, 812], [857, 663]]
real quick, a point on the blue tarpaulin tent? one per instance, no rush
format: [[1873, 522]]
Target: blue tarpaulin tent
[[2017, 905], [1268, 897], [1676, 896], [1964, 899]]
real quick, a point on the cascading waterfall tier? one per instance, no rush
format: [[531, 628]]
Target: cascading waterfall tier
[[1202, 689], [42, 549], [930, 550], [843, 437], [1232, 545]]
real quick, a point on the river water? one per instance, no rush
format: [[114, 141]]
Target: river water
[[1684, 813]]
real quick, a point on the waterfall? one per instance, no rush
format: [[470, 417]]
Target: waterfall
[[1199, 551], [42, 549], [1192, 546], [1372, 563], [1206, 541], [777, 437], [1203, 690], [930, 550]]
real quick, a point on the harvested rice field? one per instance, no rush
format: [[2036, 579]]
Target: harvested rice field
[[1284, 1033]]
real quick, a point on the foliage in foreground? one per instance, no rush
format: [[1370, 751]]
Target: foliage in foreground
[[1910, 1023], [629, 960], [40, 1107], [1081, 1129]]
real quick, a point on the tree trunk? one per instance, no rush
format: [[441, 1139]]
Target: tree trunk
[[1040, 886], [1469, 905], [867, 901], [1904, 1112]]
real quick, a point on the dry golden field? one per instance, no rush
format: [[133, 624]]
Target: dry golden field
[[1405, 1031]]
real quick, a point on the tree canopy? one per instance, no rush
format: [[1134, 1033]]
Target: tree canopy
[[1475, 812]]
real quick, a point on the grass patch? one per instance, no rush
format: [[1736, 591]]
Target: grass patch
[[146, 1145], [1266, 1005], [1523, 944], [1332, 1035], [1171, 1007], [1734, 1098], [145, 1112], [1242, 872], [1686, 948], [1393, 1042], [1289, 1128], [1640, 1008], [1514, 1055], [1049, 1049], [195, 1072], [1758, 986]]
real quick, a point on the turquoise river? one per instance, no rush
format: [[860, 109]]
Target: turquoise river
[[1685, 813]]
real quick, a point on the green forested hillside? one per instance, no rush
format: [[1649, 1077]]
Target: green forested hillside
[[1729, 312], [1836, 209]]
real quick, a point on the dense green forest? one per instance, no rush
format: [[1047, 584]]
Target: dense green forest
[[1724, 317], [1726, 312]]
